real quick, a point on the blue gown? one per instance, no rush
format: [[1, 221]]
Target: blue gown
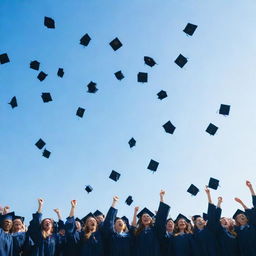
[[83, 247], [118, 244], [205, 240], [22, 244], [147, 242], [182, 245], [50, 246], [6, 244]]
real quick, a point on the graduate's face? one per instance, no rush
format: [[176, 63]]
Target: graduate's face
[[170, 226], [78, 226], [182, 224], [120, 225], [7, 225], [17, 225], [241, 219], [91, 223], [146, 219], [200, 223], [225, 222], [100, 219], [62, 232], [47, 224]]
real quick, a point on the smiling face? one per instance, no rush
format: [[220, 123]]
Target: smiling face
[[17, 225], [119, 226], [91, 224], [182, 224], [200, 223], [78, 226], [7, 225], [146, 220], [225, 222], [47, 224], [170, 226], [241, 219], [100, 219]]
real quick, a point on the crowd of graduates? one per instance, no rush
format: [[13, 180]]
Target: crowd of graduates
[[147, 234]]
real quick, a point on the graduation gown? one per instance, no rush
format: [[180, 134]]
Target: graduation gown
[[147, 242], [118, 244], [83, 247], [50, 246], [6, 244], [205, 240], [182, 245], [22, 244]]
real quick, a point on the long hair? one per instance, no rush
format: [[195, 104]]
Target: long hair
[[87, 231], [140, 226], [231, 228], [44, 233], [187, 230], [125, 229]]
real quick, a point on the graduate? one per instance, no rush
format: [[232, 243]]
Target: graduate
[[116, 234], [205, 233], [246, 226], [46, 241], [60, 223], [148, 234], [89, 241]]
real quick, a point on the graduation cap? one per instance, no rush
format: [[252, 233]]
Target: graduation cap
[[195, 217], [98, 213], [4, 58], [115, 44], [19, 218], [237, 213], [85, 40], [224, 109], [205, 216], [92, 87], [153, 165], [80, 112], [193, 190], [149, 61], [181, 61], [60, 72], [145, 211], [213, 183], [126, 221], [88, 189], [41, 76], [8, 216], [40, 143], [169, 127], [46, 97], [13, 102], [190, 29], [34, 65], [132, 142], [77, 219], [181, 216], [119, 75], [142, 77], [211, 129], [46, 153], [129, 200], [89, 215], [49, 22], [114, 176], [162, 94]]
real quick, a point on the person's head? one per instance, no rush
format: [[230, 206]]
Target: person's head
[[78, 225], [100, 218], [146, 220], [181, 225], [120, 225], [241, 219], [62, 232], [47, 225], [199, 223], [17, 226], [170, 225], [91, 224], [7, 225]]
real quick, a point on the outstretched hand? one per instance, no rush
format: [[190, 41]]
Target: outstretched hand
[[136, 209], [56, 210], [40, 201], [238, 200], [73, 203], [248, 184]]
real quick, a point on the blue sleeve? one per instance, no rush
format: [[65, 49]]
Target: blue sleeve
[[161, 217], [108, 225], [212, 223], [254, 201], [251, 215], [70, 225], [34, 230], [61, 225]]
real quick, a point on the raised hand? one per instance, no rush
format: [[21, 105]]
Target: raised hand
[[241, 202], [248, 184], [162, 193], [6, 209], [40, 204], [115, 199], [207, 190], [56, 210], [220, 199], [73, 203], [136, 209]]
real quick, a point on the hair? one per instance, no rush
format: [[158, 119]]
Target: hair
[[86, 229], [23, 226], [188, 228], [125, 229], [44, 233], [140, 226], [230, 228]]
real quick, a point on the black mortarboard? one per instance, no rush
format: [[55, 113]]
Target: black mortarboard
[[49, 22], [211, 129], [142, 77], [195, 217], [87, 216], [224, 109], [190, 29], [181, 216], [169, 127], [77, 219], [98, 213], [162, 94], [237, 213], [132, 142], [80, 112], [4, 58], [115, 44], [205, 216], [46, 97], [119, 75], [193, 190], [35, 65], [147, 211], [92, 87], [41, 76], [13, 102], [149, 61], [181, 61], [46, 153], [213, 183], [129, 200], [60, 72], [40, 143], [85, 40], [8, 216], [114, 175], [153, 165], [88, 189], [19, 218], [126, 221]]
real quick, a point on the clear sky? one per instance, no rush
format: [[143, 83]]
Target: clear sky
[[220, 70]]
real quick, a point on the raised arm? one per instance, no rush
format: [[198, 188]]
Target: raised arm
[[208, 193], [249, 185], [40, 205], [220, 200], [73, 207], [134, 220], [57, 211], [238, 200], [218, 209], [6, 209]]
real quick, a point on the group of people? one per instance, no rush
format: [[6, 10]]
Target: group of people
[[148, 234]]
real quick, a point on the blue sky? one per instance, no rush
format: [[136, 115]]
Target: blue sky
[[220, 69]]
